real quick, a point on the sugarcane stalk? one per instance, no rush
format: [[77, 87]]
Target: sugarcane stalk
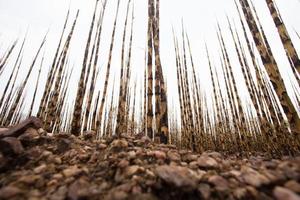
[[104, 94], [77, 122], [36, 88]]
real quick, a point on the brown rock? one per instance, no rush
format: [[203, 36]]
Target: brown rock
[[157, 154], [270, 164], [20, 128], [219, 182], [35, 195], [57, 176], [145, 139], [30, 136], [79, 190], [123, 163], [116, 195], [63, 145], [87, 148], [290, 169], [180, 177], [71, 171], [102, 146], [201, 174], [193, 165], [189, 157], [234, 173], [3, 129], [59, 194], [160, 155], [53, 182], [9, 192], [119, 144], [184, 164], [46, 154], [29, 179], [252, 177], [149, 173], [40, 169], [252, 191], [136, 190], [131, 170], [11, 145], [293, 185], [41, 131], [57, 160], [34, 153], [240, 193], [69, 180], [84, 157], [281, 193], [204, 190], [128, 172], [89, 135], [95, 156], [207, 162], [126, 187], [173, 156], [131, 155]]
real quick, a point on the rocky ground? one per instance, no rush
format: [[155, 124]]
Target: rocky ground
[[39, 166]]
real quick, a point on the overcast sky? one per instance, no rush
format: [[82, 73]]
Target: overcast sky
[[199, 16]]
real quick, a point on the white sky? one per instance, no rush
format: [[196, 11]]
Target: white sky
[[199, 17]]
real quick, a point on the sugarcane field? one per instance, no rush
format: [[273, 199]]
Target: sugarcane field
[[149, 100]]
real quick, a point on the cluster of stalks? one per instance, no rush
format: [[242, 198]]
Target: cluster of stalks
[[220, 120]]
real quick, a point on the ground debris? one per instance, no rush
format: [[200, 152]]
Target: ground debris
[[61, 166]]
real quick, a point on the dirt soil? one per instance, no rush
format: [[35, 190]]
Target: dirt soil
[[63, 166]]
